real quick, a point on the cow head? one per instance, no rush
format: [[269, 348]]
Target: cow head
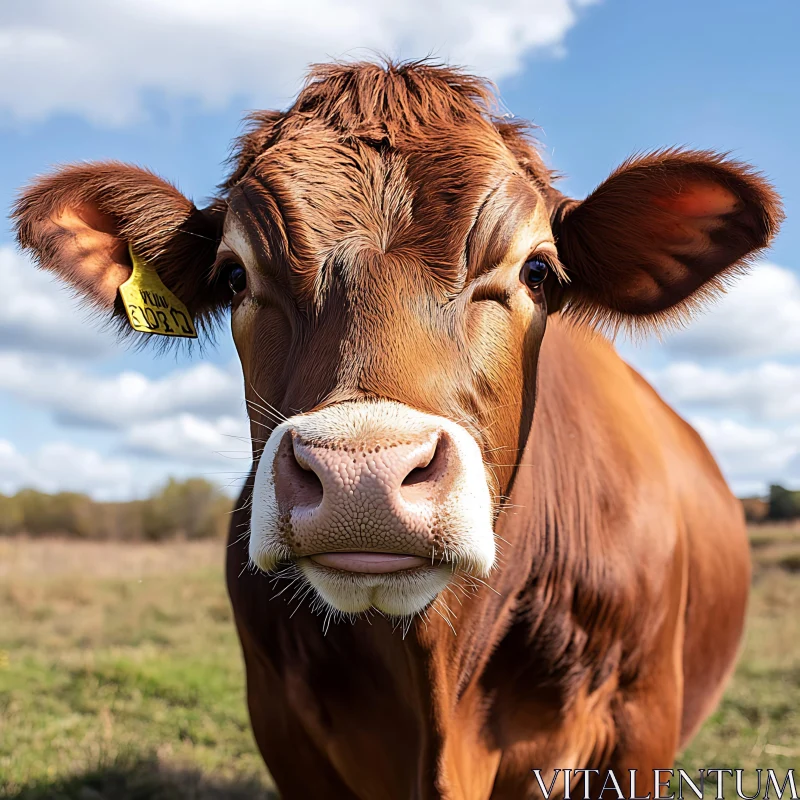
[[389, 251]]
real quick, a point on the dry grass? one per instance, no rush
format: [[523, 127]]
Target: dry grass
[[120, 674], [757, 723], [24, 559]]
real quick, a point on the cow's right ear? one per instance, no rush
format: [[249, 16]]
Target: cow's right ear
[[80, 221]]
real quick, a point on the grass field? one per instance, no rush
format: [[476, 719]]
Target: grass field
[[120, 674]]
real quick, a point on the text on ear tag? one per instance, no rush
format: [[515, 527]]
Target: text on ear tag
[[150, 306]]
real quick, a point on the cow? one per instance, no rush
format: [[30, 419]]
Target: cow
[[483, 550]]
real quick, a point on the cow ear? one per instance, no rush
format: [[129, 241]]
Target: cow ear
[[660, 235], [81, 220]]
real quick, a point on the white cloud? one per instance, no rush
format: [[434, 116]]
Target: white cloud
[[37, 314], [734, 373], [768, 391], [181, 423], [74, 395], [61, 466], [100, 59], [65, 467], [759, 316], [188, 438], [752, 457]]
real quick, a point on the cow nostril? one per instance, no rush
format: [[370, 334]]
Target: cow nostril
[[308, 491], [305, 486], [418, 475], [433, 464], [312, 485]]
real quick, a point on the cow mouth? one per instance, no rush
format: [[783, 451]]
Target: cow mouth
[[370, 563], [335, 505]]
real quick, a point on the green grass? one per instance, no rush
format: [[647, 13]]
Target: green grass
[[128, 685], [757, 723], [125, 686]]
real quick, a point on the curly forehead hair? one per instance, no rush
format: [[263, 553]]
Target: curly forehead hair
[[387, 105]]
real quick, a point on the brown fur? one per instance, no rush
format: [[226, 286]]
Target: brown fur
[[385, 209], [634, 252], [79, 221]]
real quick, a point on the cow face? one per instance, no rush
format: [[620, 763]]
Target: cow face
[[389, 252], [401, 349]]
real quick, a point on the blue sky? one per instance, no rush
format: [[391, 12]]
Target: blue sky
[[165, 84]]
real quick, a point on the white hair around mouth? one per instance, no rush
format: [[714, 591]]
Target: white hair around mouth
[[465, 515]]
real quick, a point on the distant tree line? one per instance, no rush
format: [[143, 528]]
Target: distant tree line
[[190, 509], [779, 505], [197, 509]]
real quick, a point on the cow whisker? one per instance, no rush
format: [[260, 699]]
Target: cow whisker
[[484, 583], [241, 537], [455, 596], [269, 405], [309, 589], [446, 620], [270, 415]]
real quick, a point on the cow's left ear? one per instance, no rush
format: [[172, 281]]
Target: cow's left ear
[[660, 234]]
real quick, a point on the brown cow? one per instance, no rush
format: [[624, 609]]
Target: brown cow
[[472, 591]]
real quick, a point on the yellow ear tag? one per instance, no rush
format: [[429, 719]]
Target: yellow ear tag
[[150, 306]]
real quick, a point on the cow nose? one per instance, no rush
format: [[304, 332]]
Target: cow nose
[[373, 497]]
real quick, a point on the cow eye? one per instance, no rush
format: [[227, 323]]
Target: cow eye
[[534, 271], [237, 279]]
